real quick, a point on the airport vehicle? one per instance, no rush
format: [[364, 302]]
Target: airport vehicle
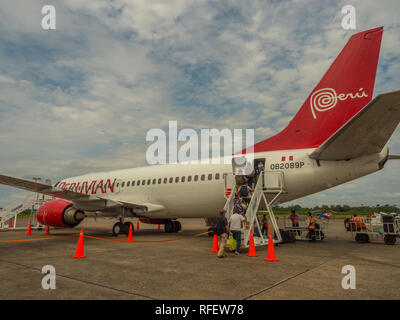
[[339, 134], [301, 232], [381, 227]]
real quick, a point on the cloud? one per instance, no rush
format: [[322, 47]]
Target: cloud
[[81, 98]]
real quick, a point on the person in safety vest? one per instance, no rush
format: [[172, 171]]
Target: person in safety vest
[[311, 227], [355, 218]]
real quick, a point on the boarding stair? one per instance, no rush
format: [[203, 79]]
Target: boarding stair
[[32, 202], [265, 196]]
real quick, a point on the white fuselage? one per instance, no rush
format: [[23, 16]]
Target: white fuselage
[[204, 197]]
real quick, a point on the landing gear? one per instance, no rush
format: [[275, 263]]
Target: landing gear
[[117, 229], [127, 226], [172, 226], [121, 228], [177, 226]]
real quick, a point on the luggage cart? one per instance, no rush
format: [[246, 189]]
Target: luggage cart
[[386, 228], [301, 232]]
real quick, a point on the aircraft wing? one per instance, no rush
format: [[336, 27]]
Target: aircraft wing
[[44, 189], [367, 132], [142, 205]]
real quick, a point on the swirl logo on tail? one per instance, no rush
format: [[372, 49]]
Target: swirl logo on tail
[[325, 99]]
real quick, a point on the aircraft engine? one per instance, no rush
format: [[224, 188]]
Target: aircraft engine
[[59, 213]]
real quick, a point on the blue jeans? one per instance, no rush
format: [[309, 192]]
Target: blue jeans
[[237, 235]]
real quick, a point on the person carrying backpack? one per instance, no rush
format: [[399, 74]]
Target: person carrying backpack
[[244, 192], [222, 230]]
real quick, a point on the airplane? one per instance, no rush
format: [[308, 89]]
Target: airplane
[[339, 134]]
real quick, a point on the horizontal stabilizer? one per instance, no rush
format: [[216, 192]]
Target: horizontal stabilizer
[[365, 133]]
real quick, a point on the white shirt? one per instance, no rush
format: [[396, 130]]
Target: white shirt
[[235, 222]]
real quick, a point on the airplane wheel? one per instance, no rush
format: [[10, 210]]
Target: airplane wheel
[[169, 227], [117, 229], [127, 226], [177, 226]]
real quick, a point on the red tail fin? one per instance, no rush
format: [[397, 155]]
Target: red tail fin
[[344, 90]]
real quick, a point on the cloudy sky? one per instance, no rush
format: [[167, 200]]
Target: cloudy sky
[[81, 98]]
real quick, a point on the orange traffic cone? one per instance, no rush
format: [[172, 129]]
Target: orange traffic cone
[[271, 250], [28, 232], [79, 249], [252, 247], [137, 225], [47, 230], [130, 236], [215, 247], [10, 225]]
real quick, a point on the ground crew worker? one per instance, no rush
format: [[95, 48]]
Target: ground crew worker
[[355, 218], [264, 225], [311, 227], [295, 220], [222, 230]]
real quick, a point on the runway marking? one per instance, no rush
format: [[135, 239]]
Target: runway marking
[[83, 281], [100, 238], [299, 274], [26, 240], [201, 234], [115, 240], [285, 280]]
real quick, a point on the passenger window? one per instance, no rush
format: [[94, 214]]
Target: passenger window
[[143, 182], [171, 180], [210, 176], [148, 181], [123, 184], [189, 178], [203, 177], [183, 179], [128, 183], [133, 183], [165, 180], [177, 179], [159, 181], [154, 181], [117, 184], [196, 177], [217, 176]]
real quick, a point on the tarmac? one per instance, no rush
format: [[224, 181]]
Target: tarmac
[[180, 266]]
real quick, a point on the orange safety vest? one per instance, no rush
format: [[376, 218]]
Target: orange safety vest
[[356, 219], [312, 223]]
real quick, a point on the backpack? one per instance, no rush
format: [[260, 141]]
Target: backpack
[[244, 191], [220, 227]]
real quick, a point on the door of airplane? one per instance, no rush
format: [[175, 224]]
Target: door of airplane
[[259, 167], [229, 184]]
